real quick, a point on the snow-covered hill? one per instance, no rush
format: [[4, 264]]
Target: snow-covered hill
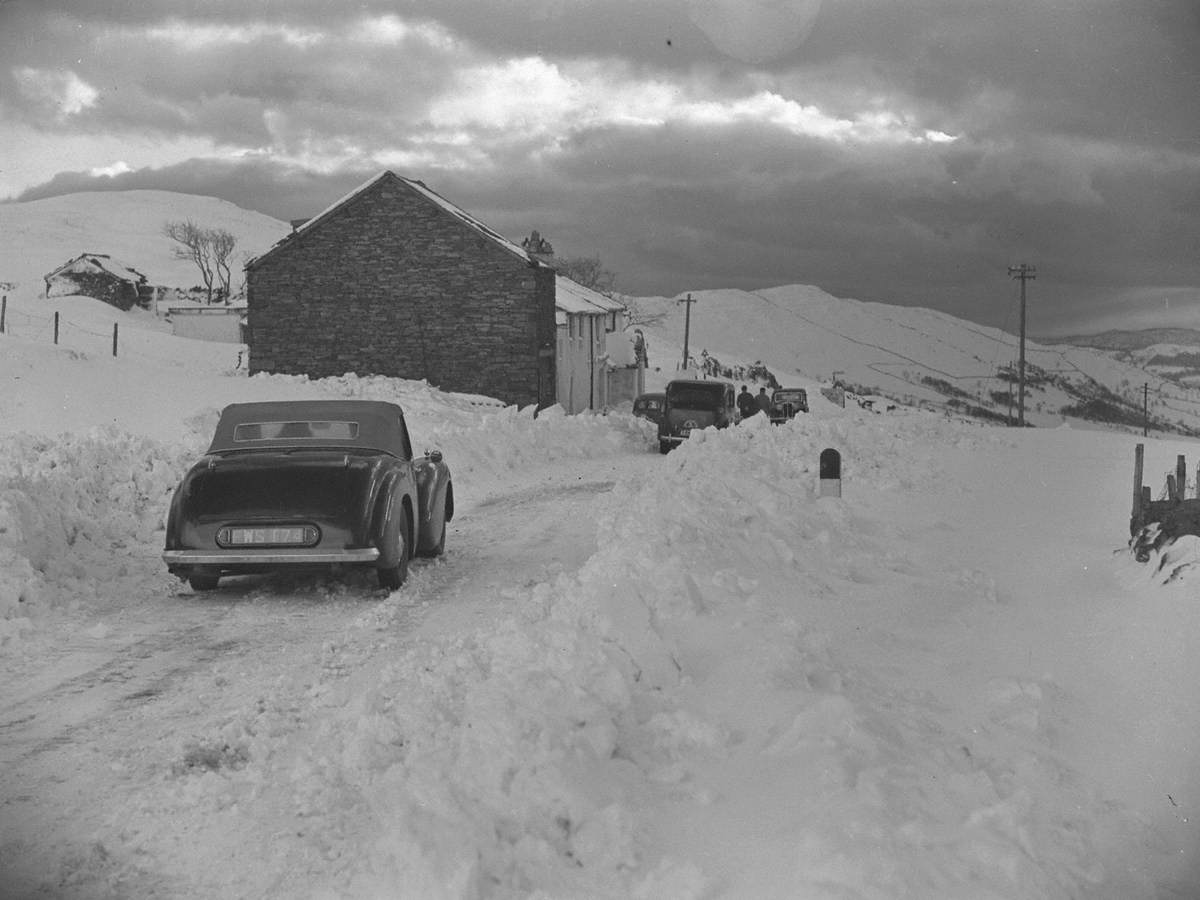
[[1172, 354], [41, 235], [800, 333], [913, 355]]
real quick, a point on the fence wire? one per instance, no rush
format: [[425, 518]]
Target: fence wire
[[79, 337]]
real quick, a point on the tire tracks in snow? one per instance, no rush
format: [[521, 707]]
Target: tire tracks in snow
[[53, 715]]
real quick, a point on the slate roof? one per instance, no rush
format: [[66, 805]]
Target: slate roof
[[429, 194], [570, 297], [104, 263]]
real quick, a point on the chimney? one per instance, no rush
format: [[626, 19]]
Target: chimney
[[538, 247]]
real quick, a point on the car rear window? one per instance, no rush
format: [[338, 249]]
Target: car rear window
[[695, 396], [274, 431]]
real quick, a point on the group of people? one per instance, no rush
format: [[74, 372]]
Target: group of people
[[748, 404]]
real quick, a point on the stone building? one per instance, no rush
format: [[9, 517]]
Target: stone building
[[395, 280], [583, 355]]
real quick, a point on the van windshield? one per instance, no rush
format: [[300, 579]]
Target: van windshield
[[694, 395]]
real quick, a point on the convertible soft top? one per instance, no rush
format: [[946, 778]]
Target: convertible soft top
[[350, 424]]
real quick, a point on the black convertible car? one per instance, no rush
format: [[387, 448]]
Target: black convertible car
[[308, 483]]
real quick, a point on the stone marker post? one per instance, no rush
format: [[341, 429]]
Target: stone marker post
[[831, 473]]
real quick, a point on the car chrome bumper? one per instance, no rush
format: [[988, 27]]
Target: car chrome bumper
[[298, 556]]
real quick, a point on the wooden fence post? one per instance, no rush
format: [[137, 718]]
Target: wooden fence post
[[3, 312], [1180, 477], [56, 326], [114, 338]]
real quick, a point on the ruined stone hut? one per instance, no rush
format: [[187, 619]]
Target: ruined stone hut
[[100, 276]]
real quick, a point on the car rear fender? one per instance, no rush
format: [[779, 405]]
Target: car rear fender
[[397, 488], [435, 498], [175, 510]]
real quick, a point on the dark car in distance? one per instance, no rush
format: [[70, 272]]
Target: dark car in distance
[[649, 406], [308, 484], [786, 402], [691, 405]]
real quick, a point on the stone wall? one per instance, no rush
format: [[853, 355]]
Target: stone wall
[[392, 284], [101, 286]]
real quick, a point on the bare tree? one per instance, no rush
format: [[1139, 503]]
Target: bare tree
[[588, 271], [591, 273], [636, 315], [221, 243], [194, 245], [209, 248]]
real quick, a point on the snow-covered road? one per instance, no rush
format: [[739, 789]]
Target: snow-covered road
[[93, 728]]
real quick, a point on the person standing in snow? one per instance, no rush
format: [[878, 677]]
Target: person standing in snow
[[745, 403], [640, 356], [763, 402]]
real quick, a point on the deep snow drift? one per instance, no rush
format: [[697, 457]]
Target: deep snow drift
[[949, 682]]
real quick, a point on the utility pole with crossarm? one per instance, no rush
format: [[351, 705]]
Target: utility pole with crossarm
[[1025, 273], [687, 326]]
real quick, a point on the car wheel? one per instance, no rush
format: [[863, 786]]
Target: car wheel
[[203, 582], [395, 549]]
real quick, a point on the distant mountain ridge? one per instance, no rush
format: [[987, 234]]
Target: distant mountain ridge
[[1115, 339]]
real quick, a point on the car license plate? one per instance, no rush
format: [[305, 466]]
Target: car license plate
[[242, 537]]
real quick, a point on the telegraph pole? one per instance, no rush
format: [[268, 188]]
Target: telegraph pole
[[1145, 408], [1010, 396], [1025, 273], [687, 326]]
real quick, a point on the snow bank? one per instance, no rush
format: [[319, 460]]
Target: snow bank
[[76, 512], [518, 761], [674, 719], [80, 510]]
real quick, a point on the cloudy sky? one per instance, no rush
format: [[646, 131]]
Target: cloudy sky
[[906, 151]]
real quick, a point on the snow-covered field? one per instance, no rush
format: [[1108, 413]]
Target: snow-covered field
[[631, 676], [918, 356]]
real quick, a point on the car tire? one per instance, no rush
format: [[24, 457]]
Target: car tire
[[440, 547], [395, 547], [204, 582]]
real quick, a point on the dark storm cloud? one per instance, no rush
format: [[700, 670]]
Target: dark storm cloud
[[282, 191], [192, 72], [1075, 143]]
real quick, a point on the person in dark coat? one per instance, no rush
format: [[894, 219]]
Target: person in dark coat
[[745, 403], [763, 402]]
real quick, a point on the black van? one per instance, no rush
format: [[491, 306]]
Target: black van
[[694, 404]]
